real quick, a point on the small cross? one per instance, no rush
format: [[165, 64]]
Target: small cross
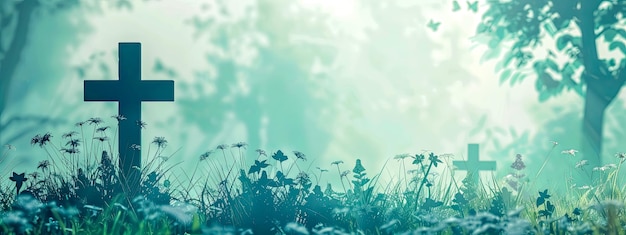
[[129, 91], [473, 165]]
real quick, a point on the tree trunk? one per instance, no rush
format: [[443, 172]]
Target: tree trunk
[[13, 54], [593, 118], [602, 86]]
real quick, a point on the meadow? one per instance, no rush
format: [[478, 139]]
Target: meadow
[[77, 189]]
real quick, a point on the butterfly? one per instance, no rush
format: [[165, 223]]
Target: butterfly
[[433, 25], [472, 6], [456, 6]]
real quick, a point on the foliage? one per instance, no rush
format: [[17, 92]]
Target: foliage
[[273, 196]]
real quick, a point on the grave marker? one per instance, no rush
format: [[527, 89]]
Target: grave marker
[[473, 165], [129, 91]]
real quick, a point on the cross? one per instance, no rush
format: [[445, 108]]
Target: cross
[[473, 165], [129, 91]]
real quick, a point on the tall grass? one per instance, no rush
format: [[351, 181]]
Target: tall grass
[[76, 190]]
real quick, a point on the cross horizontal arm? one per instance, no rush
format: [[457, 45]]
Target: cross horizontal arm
[[116, 90]]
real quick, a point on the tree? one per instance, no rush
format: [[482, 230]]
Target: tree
[[560, 42], [16, 20]]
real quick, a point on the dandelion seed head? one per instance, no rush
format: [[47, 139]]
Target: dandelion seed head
[[94, 121], [160, 141], [571, 152], [101, 138], [336, 162], [69, 134], [205, 155], [239, 145], [222, 146], [119, 117], [141, 124], [300, 155], [401, 156], [135, 147]]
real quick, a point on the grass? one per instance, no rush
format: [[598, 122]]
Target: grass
[[77, 190]]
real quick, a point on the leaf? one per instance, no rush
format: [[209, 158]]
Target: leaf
[[490, 54], [609, 35], [550, 28], [540, 201], [563, 41], [279, 156], [479, 126], [434, 26], [456, 6], [618, 44], [544, 194], [551, 64], [472, 6], [621, 33], [505, 75]]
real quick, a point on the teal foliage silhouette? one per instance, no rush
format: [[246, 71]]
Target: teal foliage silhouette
[[574, 27]]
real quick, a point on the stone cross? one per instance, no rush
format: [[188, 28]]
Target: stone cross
[[473, 165], [129, 91]]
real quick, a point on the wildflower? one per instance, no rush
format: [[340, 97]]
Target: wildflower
[[205, 155], [164, 158], [401, 156], [239, 145], [418, 159], [434, 159], [80, 124], [41, 139], [554, 143], [141, 124], [45, 138], [160, 142], [73, 142], [570, 152], [518, 164], [101, 138], [19, 180], [605, 167], [94, 121], [279, 156], [135, 147], [581, 163], [9, 147], [35, 175], [119, 117], [70, 150], [261, 152], [69, 134], [621, 156], [222, 147], [344, 173], [300, 155], [336, 162], [102, 129], [358, 167], [321, 170]]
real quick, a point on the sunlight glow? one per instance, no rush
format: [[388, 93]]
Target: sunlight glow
[[338, 9]]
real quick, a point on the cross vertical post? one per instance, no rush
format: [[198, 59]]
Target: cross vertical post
[[129, 91], [473, 165]]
